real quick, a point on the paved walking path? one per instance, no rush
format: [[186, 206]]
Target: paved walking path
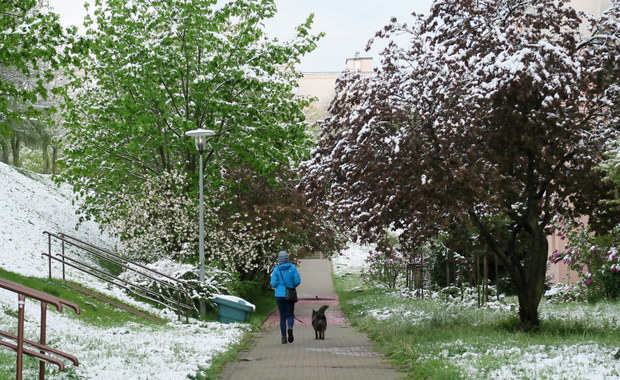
[[344, 354]]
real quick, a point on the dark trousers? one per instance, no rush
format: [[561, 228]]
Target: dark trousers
[[287, 314]]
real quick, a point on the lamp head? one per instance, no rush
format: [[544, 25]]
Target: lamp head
[[200, 137]]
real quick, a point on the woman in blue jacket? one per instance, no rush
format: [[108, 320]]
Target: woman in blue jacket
[[285, 275]]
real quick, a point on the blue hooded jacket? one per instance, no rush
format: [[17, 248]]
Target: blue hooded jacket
[[287, 272]]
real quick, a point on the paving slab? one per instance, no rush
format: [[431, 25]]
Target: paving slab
[[344, 354]]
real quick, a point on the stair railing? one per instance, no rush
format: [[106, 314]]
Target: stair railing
[[179, 299], [44, 352]]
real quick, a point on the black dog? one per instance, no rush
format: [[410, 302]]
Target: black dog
[[319, 322]]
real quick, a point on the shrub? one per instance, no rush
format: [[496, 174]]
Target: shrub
[[385, 268], [472, 296], [565, 293], [155, 222], [217, 281], [450, 293], [596, 258]]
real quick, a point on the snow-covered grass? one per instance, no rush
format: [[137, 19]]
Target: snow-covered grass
[[30, 204], [440, 337]]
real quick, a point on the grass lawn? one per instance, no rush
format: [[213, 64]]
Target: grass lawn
[[92, 310], [439, 339]]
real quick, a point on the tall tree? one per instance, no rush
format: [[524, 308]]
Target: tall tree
[[31, 56], [29, 53], [153, 70], [494, 111]]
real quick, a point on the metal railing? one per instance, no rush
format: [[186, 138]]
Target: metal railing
[[41, 351], [178, 297]]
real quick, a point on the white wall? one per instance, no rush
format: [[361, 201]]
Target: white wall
[[594, 7]]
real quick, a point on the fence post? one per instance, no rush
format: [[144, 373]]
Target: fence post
[[43, 338], [21, 305], [49, 252], [188, 299], [422, 270], [178, 299], [62, 243], [485, 277]]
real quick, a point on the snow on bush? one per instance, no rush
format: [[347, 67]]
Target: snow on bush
[[156, 222], [564, 293], [216, 280], [385, 268], [352, 260]]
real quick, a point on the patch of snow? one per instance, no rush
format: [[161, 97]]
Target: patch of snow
[[234, 299], [31, 204], [352, 260]]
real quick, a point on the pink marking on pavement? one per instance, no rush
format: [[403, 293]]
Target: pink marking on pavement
[[303, 312]]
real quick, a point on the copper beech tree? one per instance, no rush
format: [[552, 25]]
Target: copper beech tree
[[493, 114]]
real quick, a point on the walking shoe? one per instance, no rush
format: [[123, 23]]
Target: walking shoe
[[284, 340], [291, 338]]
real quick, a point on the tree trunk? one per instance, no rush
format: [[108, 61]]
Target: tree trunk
[[5, 151], [46, 158], [164, 161], [15, 146], [527, 269], [54, 159], [530, 280], [190, 163]]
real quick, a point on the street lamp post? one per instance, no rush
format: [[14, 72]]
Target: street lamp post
[[200, 138]]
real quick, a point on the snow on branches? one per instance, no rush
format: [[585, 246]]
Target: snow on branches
[[492, 112], [489, 106], [149, 71], [160, 222]]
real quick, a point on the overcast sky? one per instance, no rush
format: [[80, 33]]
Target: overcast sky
[[348, 24]]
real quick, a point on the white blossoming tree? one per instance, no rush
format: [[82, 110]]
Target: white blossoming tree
[[148, 71]]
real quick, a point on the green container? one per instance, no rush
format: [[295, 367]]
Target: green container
[[232, 309]]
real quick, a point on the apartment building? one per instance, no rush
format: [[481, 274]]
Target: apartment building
[[594, 7], [320, 85]]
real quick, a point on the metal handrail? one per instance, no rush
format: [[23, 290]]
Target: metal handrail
[[40, 346], [175, 286], [131, 288], [124, 259], [44, 351]]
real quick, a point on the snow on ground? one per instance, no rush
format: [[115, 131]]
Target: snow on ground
[[505, 360], [31, 204], [564, 362]]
